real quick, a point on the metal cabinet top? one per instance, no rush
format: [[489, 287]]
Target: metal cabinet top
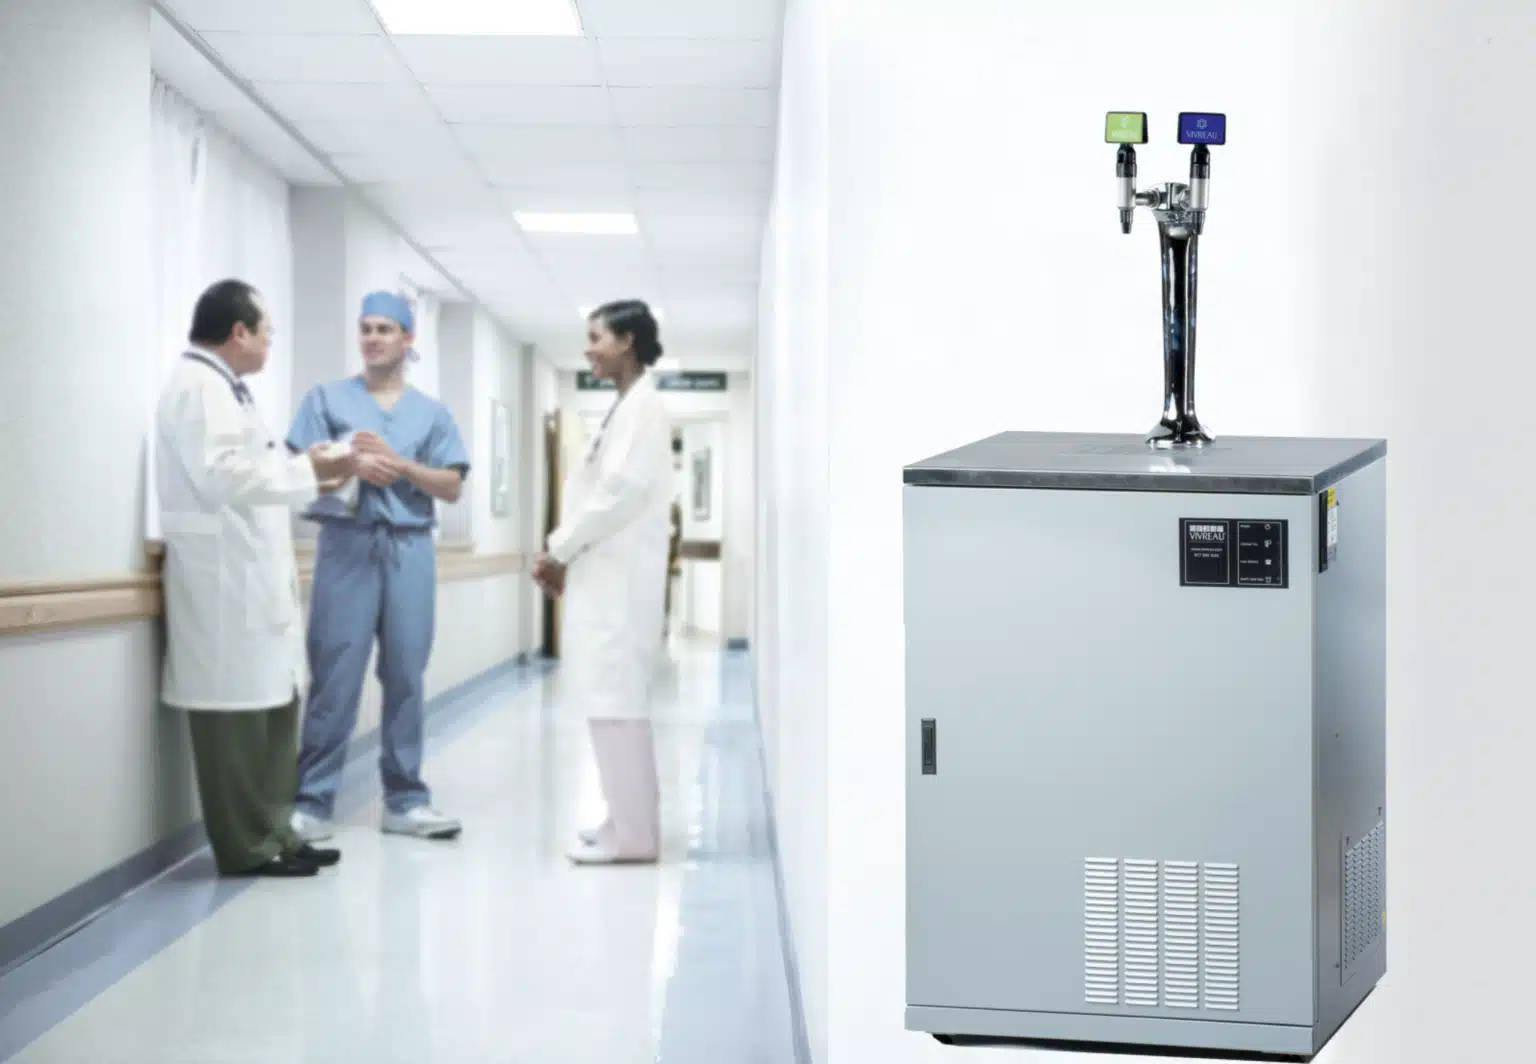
[[1245, 465]]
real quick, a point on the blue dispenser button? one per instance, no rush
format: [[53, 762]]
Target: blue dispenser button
[[1202, 128]]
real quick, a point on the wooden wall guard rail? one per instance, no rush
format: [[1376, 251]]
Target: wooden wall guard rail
[[51, 605]]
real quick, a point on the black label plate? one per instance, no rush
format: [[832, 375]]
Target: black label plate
[[1228, 552]]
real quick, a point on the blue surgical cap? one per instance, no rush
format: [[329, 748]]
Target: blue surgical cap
[[388, 305]]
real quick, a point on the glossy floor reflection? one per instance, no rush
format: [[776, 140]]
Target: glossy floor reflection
[[488, 949]]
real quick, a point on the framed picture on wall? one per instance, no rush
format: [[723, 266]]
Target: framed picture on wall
[[701, 485], [501, 459]]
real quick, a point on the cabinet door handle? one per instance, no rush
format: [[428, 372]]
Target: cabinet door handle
[[930, 747]]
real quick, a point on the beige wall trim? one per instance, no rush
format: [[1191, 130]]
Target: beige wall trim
[[45, 606]]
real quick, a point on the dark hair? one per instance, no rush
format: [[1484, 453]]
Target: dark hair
[[632, 318], [219, 308]]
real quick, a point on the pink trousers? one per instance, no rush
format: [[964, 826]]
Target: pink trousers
[[626, 767]]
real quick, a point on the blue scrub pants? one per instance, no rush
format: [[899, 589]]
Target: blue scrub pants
[[370, 582]]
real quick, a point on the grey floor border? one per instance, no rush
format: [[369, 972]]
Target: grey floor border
[[55, 920], [786, 936]]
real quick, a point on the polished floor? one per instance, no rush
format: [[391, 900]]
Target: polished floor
[[488, 949]]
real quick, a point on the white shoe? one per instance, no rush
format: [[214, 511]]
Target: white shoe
[[602, 853], [423, 822], [309, 828], [589, 836]]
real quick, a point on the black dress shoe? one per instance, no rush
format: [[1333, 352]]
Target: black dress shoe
[[285, 866], [317, 857]]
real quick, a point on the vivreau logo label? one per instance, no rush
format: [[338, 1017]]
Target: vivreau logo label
[[1208, 533]]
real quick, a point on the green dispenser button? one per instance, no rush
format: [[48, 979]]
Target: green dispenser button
[[1125, 127]]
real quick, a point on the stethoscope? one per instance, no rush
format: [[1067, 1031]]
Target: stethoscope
[[242, 393], [597, 441]]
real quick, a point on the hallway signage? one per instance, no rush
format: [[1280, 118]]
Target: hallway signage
[[667, 382]]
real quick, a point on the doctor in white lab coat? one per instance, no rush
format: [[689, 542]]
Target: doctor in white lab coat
[[608, 558], [234, 646]]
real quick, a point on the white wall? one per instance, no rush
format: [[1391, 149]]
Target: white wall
[[734, 410], [789, 631], [75, 362], [74, 320], [1365, 271]]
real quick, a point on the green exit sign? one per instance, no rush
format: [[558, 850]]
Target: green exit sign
[[1125, 127]]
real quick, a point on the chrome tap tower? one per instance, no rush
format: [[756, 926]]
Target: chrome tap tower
[[1180, 213]]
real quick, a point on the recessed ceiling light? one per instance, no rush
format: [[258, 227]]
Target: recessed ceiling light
[[480, 18], [582, 224]]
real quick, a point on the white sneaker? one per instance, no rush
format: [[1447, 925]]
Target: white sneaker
[[423, 822], [309, 828], [600, 853]]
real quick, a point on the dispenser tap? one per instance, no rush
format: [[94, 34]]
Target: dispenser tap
[[1125, 128], [1180, 212]]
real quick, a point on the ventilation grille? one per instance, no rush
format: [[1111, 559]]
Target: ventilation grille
[[1161, 934], [1218, 926], [1363, 891], [1101, 891], [1181, 935]]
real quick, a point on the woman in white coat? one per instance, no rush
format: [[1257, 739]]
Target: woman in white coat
[[608, 558]]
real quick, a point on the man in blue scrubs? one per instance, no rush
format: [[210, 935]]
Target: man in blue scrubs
[[376, 572]]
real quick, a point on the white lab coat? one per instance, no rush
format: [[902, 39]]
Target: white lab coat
[[613, 537], [234, 638]]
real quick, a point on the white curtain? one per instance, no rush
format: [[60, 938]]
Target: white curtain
[[218, 213]]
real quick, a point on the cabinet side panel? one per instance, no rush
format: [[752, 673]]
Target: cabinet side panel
[[1351, 702]]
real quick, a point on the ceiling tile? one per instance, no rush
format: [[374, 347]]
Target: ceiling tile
[[701, 230], [502, 60], [323, 59], [700, 144], [726, 259], [690, 19], [522, 106], [487, 275], [603, 179], [698, 281], [693, 107], [301, 103], [541, 144], [395, 165], [565, 254], [712, 312], [379, 135], [276, 16], [704, 177], [272, 144], [700, 203], [708, 64], [445, 215]]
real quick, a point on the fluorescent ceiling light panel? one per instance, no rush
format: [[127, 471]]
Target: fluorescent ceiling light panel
[[584, 224], [480, 18]]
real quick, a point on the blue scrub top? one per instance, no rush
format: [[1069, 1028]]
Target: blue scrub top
[[419, 428]]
